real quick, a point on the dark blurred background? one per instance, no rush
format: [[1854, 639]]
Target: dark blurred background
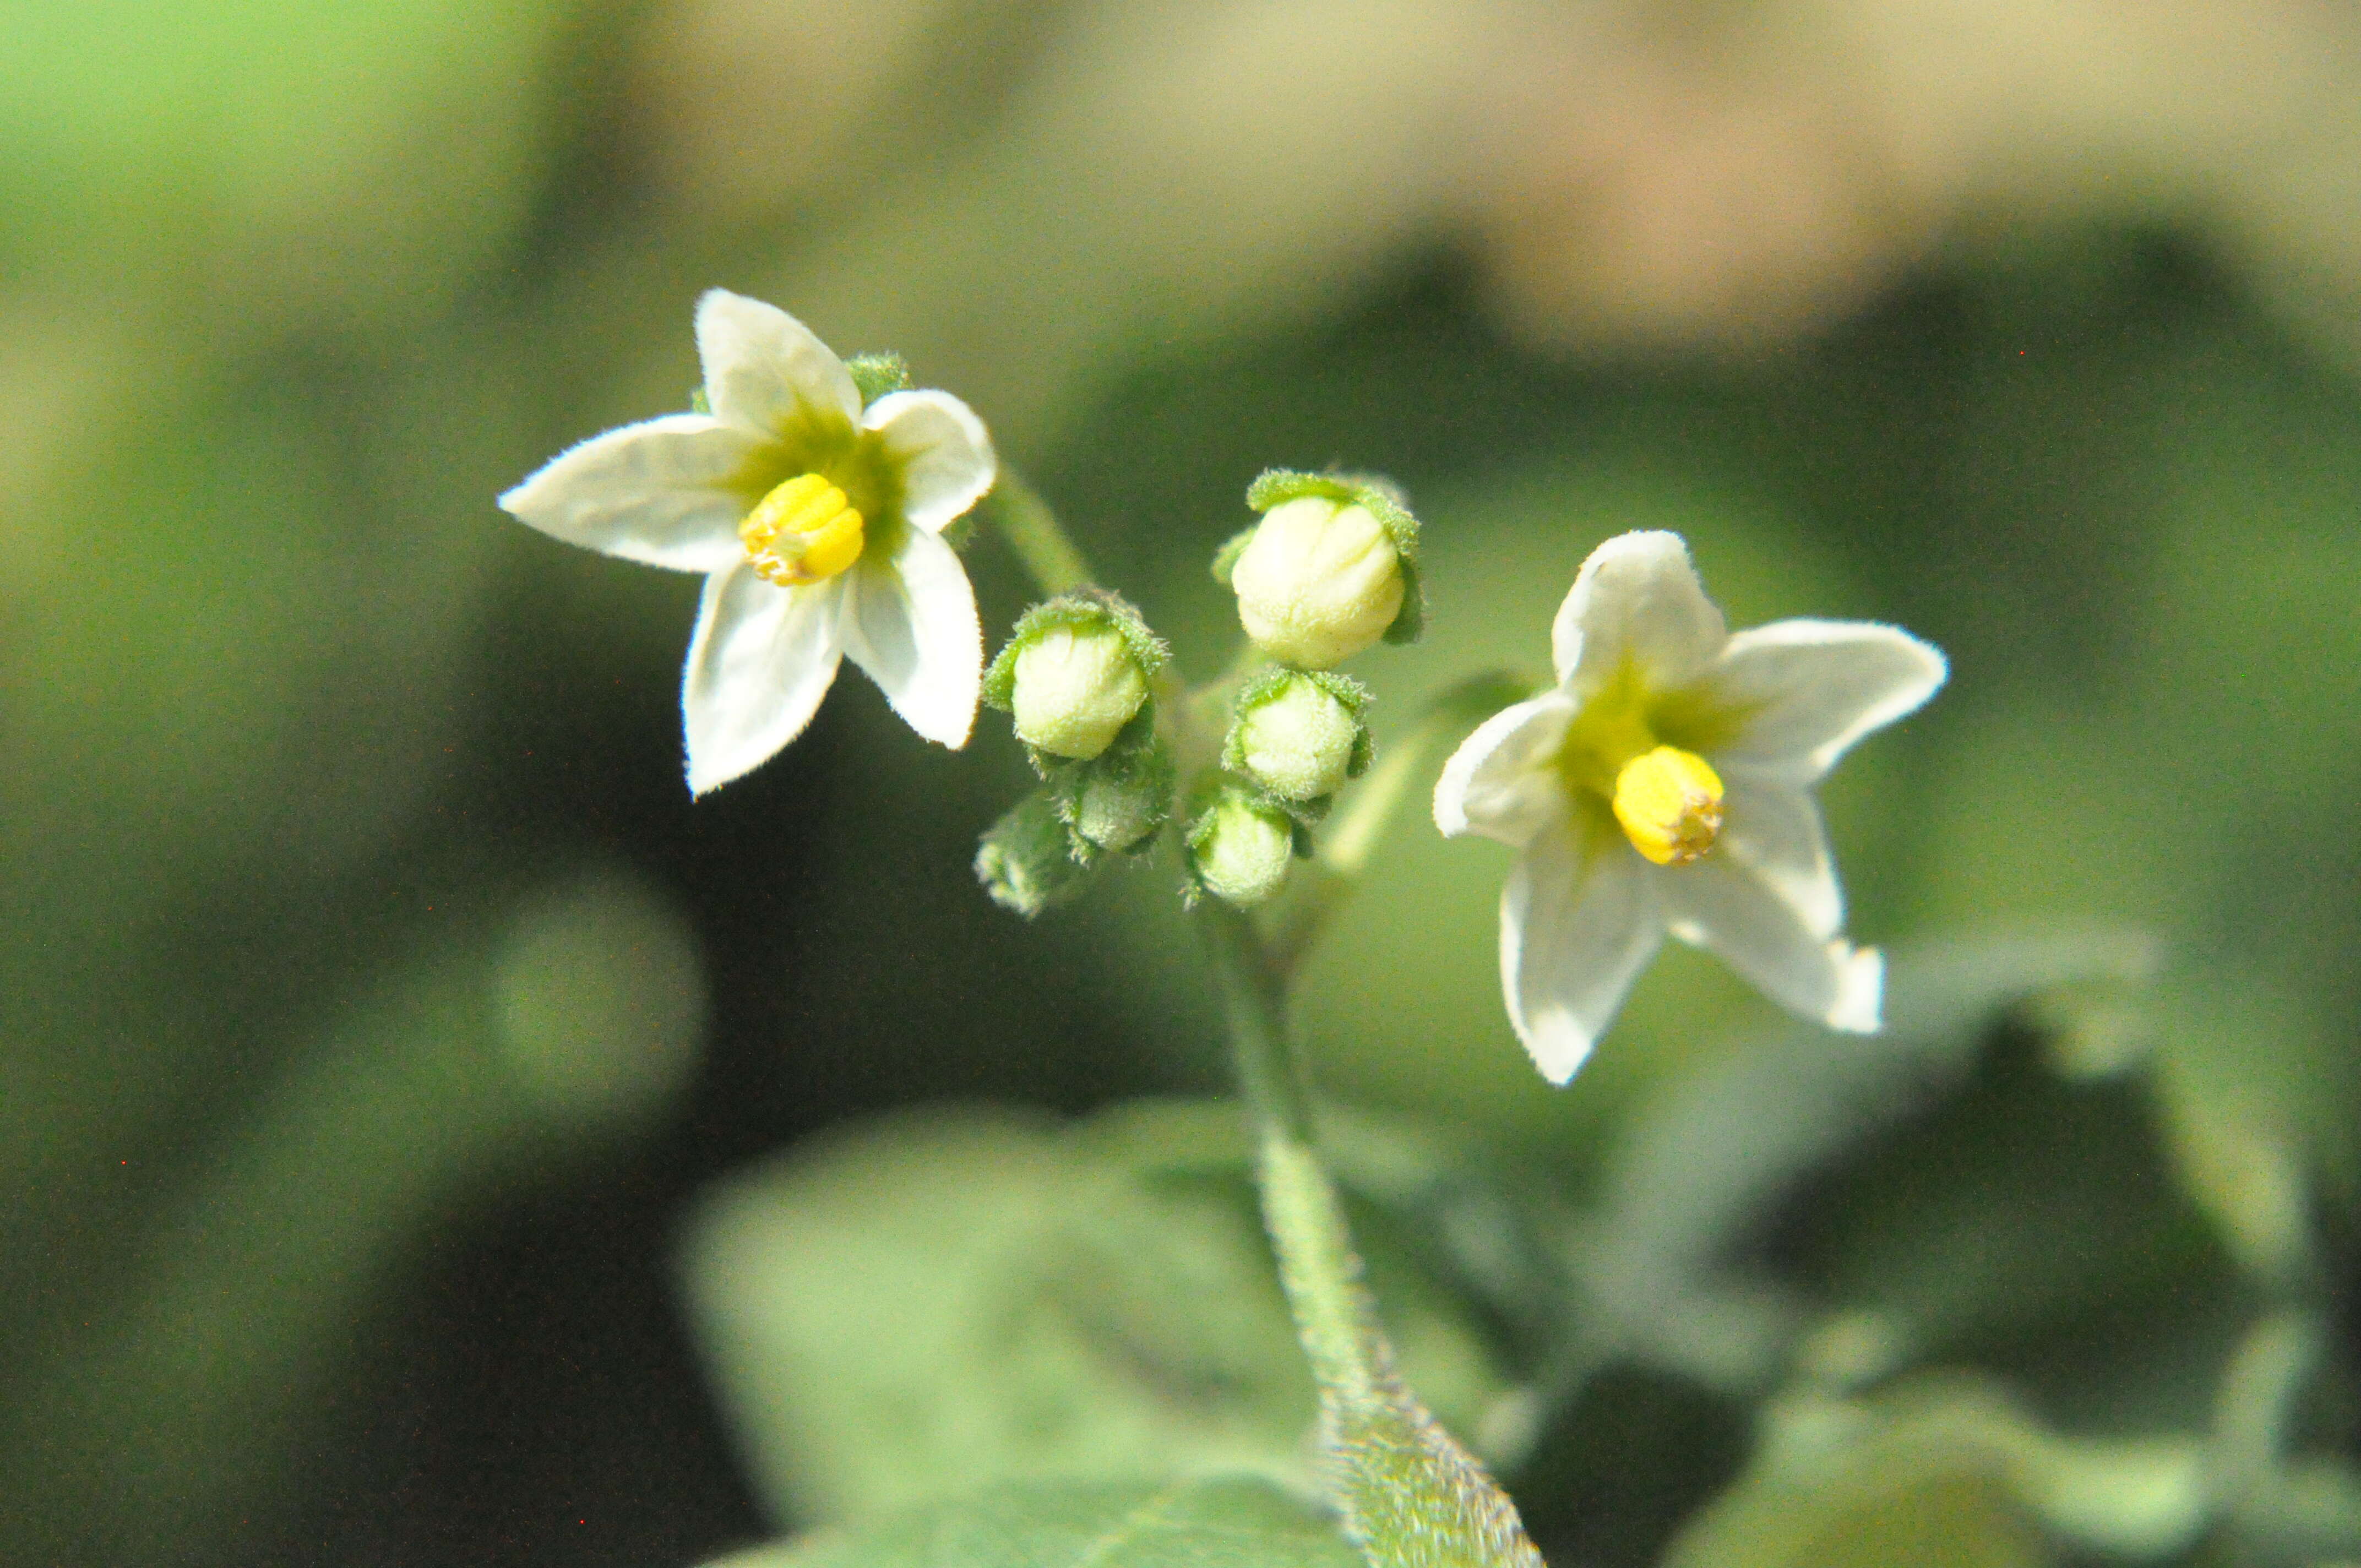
[[376, 1004]]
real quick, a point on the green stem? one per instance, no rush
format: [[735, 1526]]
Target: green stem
[[1317, 1264], [1035, 536], [1410, 1496]]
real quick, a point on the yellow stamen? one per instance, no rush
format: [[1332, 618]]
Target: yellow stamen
[[801, 532], [1669, 802]]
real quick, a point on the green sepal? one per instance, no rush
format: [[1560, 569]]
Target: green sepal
[[960, 532], [1027, 861], [1083, 608], [878, 374], [1385, 501], [1305, 814], [1225, 559], [1409, 621], [698, 404]]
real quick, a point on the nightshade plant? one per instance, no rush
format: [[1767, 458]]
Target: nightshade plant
[[816, 507], [1659, 785]]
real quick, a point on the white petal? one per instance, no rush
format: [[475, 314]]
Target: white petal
[[1810, 689], [664, 492], [1721, 903], [1775, 828], [945, 455], [1636, 598], [1578, 922], [764, 371], [912, 626], [762, 659], [1500, 783]]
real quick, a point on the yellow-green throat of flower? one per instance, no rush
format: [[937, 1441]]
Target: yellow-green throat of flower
[[1668, 799], [804, 531]]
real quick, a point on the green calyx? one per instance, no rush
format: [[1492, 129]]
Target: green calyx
[[878, 374], [1380, 496]]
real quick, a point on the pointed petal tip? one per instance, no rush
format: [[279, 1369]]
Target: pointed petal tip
[[1643, 541], [940, 732], [1860, 1001], [1558, 1056]]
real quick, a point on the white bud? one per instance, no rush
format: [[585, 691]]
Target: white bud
[[1319, 582], [1297, 743], [1075, 688], [1242, 850]]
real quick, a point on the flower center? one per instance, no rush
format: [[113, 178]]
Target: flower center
[[1669, 802], [803, 531], [1668, 797]]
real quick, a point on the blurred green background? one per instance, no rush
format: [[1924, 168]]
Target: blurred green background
[[375, 1006]]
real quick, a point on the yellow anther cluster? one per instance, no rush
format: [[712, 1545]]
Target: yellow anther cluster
[[1669, 802], [801, 532]]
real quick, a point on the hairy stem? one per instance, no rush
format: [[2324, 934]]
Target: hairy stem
[[1410, 1496]]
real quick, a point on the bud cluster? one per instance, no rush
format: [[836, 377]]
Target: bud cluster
[[1330, 570], [1077, 677]]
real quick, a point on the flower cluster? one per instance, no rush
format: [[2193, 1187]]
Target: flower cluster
[[1663, 786]]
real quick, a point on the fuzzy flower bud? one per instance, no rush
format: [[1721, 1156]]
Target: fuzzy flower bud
[[1300, 736], [1027, 862], [1239, 849], [1076, 687], [1116, 802], [1075, 672], [1320, 581]]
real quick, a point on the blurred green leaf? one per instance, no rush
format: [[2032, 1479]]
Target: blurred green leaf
[[1221, 1522], [1938, 1473], [1704, 1162], [963, 1296]]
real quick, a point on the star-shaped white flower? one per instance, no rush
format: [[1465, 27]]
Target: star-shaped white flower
[[817, 521], [1665, 786]]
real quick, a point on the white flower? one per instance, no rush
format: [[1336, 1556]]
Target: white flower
[[1664, 785], [818, 522]]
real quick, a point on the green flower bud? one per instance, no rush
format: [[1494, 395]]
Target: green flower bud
[[1076, 687], [1116, 802], [1027, 861], [1319, 581], [1074, 672], [1300, 735], [1239, 849]]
